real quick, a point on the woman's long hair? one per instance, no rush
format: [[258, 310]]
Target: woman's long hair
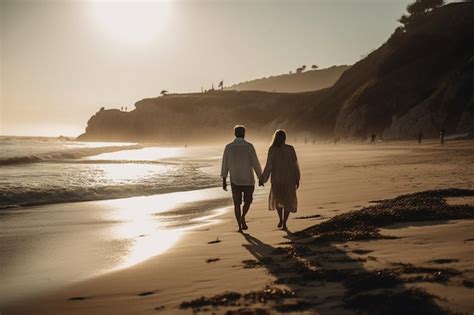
[[279, 138]]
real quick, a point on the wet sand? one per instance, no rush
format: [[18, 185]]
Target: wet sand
[[259, 269]]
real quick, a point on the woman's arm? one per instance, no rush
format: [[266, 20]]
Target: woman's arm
[[297, 170], [268, 168]]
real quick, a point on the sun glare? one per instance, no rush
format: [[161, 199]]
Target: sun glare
[[131, 21]]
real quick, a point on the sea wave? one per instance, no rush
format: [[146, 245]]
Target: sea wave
[[15, 198], [63, 155]]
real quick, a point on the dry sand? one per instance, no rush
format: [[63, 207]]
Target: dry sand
[[335, 179]]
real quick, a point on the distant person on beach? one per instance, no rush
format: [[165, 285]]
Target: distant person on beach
[[240, 160], [283, 167], [420, 135], [441, 136], [372, 138]]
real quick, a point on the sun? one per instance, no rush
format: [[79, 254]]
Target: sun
[[131, 21]]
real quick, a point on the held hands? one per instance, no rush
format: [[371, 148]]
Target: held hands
[[260, 183]]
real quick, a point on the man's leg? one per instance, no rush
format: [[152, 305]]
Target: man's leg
[[237, 197], [280, 215], [238, 216], [248, 198]]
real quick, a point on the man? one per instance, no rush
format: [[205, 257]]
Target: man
[[240, 160]]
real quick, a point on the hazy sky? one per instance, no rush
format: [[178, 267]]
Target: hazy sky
[[62, 60]]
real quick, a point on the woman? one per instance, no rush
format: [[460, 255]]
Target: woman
[[283, 167]]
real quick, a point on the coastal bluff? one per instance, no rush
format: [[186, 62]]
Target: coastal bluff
[[421, 78]]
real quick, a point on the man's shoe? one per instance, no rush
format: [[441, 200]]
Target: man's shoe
[[244, 226], [280, 224]]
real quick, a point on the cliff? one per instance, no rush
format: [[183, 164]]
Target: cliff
[[421, 78], [311, 80], [197, 116]]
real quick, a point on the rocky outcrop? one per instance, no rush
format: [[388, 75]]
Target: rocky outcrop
[[197, 116]]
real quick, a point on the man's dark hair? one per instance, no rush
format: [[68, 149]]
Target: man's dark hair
[[239, 131]]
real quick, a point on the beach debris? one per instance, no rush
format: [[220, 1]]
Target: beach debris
[[297, 306], [430, 274], [444, 261], [210, 260], [280, 251], [251, 263], [77, 298], [269, 294], [226, 299], [217, 240], [309, 216], [364, 224], [405, 301], [307, 260], [371, 280], [159, 308], [146, 293], [361, 251], [248, 311]]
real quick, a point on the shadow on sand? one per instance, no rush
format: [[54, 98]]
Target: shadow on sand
[[316, 272]]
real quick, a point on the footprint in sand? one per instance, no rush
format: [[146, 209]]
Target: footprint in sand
[[444, 261], [77, 298], [146, 293], [217, 240]]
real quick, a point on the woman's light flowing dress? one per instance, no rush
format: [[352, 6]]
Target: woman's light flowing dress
[[283, 167]]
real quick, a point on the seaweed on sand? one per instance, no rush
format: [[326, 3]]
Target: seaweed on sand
[[427, 274], [276, 295], [406, 301], [248, 311], [269, 294], [308, 259], [363, 224], [226, 299]]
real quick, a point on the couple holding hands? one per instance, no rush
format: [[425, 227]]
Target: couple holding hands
[[241, 161]]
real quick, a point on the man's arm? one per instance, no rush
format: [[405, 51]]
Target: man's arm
[[224, 183], [255, 163], [224, 169]]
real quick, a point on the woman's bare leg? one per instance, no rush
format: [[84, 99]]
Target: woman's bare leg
[[280, 215], [286, 215]]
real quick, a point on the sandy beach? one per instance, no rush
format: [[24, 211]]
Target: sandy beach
[[433, 260]]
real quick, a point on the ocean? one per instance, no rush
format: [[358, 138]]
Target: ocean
[[71, 210], [36, 171]]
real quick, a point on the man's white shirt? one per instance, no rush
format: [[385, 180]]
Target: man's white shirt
[[241, 161]]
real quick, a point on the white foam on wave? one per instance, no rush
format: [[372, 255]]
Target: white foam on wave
[[69, 154]]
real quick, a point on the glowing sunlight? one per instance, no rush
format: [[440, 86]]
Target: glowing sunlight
[[131, 22]]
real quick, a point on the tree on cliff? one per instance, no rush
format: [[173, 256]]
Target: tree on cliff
[[301, 69], [163, 92], [418, 8]]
